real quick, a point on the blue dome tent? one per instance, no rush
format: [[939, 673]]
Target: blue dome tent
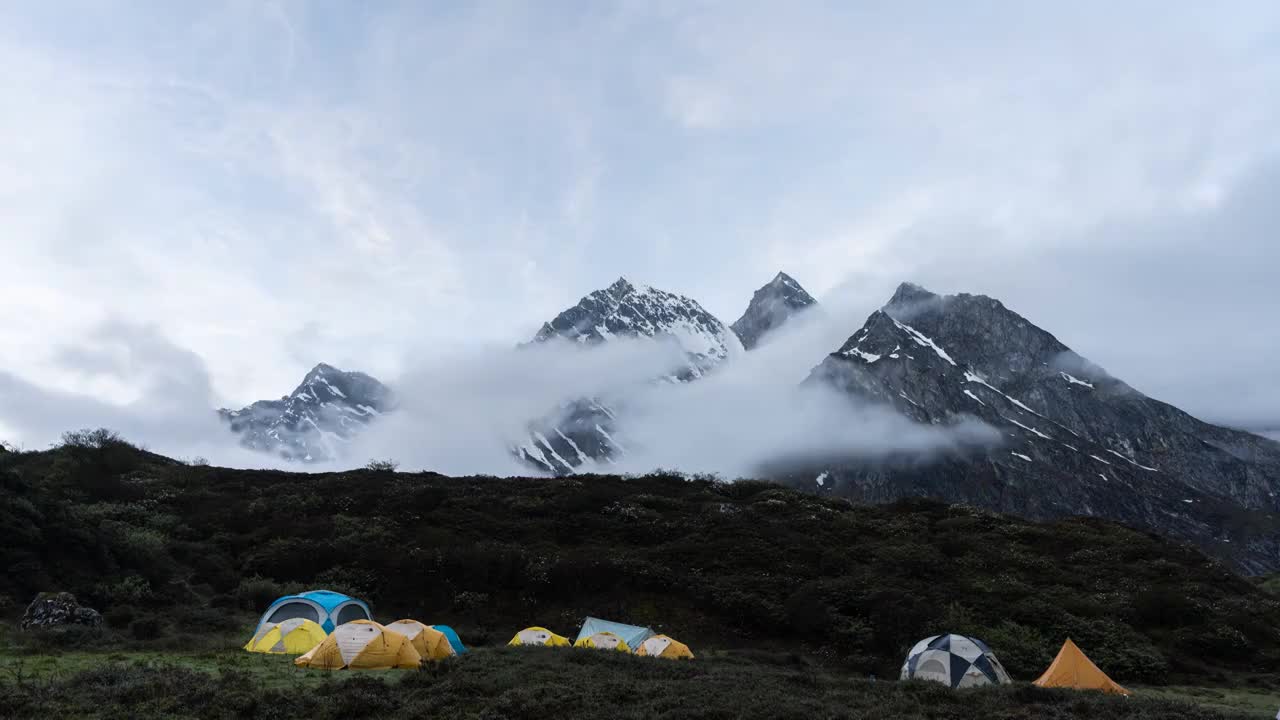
[[454, 641], [326, 608]]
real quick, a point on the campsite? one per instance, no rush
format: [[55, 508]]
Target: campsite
[[791, 605]]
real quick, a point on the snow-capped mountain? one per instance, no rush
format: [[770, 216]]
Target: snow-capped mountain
[[583, 431], [627, 310], [1075, 439], [771, 306], [310, 424]]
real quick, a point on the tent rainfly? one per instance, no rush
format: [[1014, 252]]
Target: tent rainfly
[[603, 640], [454, 641], [1073, 669], [430, 643], [294, 636], [957, 661], [538, 636], [632, 635], [362, 645], [665, 647], [325, 608]]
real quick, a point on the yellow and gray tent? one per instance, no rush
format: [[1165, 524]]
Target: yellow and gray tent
[[664, 647], [294, 636], [362, 645], [430, 643], [604, 640], [539, 636]]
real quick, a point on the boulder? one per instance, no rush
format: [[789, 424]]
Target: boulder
[[58, 609]]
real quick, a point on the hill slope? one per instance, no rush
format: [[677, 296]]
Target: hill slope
[[717, 565]]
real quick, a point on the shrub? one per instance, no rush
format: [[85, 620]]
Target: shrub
[[382, 466], [146, 628]]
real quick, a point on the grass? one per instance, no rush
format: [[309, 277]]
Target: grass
[[1244, 702], [536, 682]]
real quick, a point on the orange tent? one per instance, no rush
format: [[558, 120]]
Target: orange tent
[[1072, 669]]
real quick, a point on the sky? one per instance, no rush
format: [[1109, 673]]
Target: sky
[[256, 187]]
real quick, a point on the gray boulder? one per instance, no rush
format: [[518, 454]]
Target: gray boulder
[[57, 610]]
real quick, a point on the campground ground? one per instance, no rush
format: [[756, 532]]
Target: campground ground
[[500, 682]]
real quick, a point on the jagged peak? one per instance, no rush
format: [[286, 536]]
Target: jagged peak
[[323, 369], [621, 286], [909, 292], [784, 279]]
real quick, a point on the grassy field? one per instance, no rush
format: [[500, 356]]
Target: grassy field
[[536, 682]]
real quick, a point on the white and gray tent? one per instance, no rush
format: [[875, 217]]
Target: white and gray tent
[[957, 661]]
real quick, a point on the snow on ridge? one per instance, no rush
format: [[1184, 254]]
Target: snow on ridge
[[972, 377], [543, 439], [583, 459], [1029, 429], [609, 437], [1075, 380], [924, 341], [975, 397], [821, 479], [1020, 455], [1095, 457], [1131, 461], [866, 356]]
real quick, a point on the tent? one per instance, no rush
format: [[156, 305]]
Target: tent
[[326, 608], [430, 643], [362, 645], [632, 635], [664, 647], [294, 636], [603, 640], [954, 660], [454, 640], [539, 636], [1072, 669]]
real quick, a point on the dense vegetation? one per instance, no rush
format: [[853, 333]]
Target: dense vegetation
[[168, 551]]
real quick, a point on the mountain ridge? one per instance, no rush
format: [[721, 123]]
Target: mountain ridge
[[1073, 439]]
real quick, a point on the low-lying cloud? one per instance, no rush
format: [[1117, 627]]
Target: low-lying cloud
[[462, 412]]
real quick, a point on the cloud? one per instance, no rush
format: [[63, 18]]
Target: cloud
[[275, 185], [173, 414], [463, 414]]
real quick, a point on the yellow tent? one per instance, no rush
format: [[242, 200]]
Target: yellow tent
[[430, 643], [604, 640], [539, 636], [1071, 669], [362, 645], [294, 636], [664, 647]]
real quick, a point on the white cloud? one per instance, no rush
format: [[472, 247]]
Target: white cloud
[[274, 185]]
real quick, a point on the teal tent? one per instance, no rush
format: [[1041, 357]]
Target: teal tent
[[454, 641], [632, 635], [326, 608]]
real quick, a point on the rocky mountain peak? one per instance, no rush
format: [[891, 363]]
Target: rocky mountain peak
[[1069, 438], [582, 431], [327, 408], [621, 287], [910, 293], [771, 306]]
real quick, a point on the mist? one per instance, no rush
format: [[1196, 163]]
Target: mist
[[461, 412]]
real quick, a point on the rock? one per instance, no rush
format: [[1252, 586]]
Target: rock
[[57, 610], [1069, 438], [771, 306]]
